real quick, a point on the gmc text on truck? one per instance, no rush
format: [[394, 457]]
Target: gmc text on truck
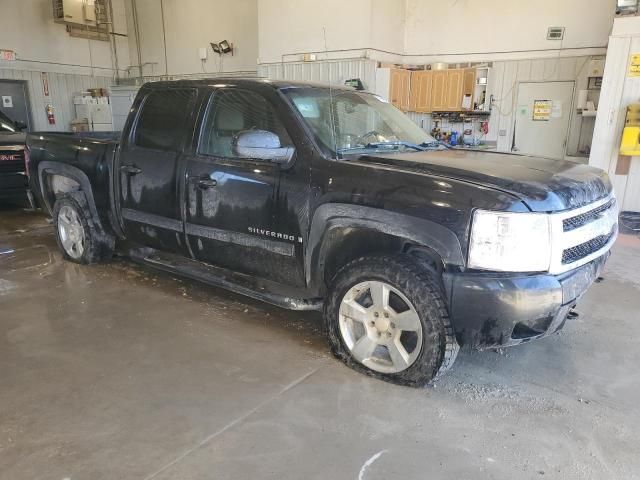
[[310, 197]]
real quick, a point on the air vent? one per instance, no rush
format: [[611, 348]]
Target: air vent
[[555, 33]]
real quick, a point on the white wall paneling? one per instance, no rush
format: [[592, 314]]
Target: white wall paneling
[[618, 91], [61, 89], [504, 80], [334, 71]]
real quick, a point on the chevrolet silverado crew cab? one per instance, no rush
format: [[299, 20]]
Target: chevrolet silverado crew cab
[[311, 197]]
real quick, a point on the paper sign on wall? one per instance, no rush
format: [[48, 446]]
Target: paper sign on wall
[[634, 65], [542, 110], [45, 84], [556, 109], [7, 55], [7, 101]]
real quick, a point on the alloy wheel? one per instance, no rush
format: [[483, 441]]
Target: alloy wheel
[[380, 327]]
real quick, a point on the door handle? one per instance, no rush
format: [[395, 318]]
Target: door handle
[[204, 183], [130, 169]]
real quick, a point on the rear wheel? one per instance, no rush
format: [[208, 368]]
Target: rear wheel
[[76, 232], [386, 316]]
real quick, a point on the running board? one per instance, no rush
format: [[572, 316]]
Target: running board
[[256, 288]]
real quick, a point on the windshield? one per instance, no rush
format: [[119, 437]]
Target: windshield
[[6, 124], [362, 122]]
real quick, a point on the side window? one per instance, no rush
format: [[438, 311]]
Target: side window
[[233, 111], [161, 123]]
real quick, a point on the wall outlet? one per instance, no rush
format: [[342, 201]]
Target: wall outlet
[[502, 133]]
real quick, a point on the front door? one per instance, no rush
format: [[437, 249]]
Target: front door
[[149, 169], [237, 206], [15, 102], [542, 118]]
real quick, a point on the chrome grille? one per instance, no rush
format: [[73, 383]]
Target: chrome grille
[[578, 221], [11, 161], [573, 254], [583, 234]]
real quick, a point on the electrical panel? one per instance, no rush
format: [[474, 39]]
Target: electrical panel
[[83, 18], [82, 12]]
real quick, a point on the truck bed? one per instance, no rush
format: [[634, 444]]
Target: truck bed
[[85, 157]]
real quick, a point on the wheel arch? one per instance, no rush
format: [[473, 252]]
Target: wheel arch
[[342, 232], [59, 179]]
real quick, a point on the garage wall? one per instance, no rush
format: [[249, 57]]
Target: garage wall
[[288, 27], [71, 64], [27, 27], [431, 30], [618, 91], [454, 28], [62, 87], [335, 72], [188, 26], [504, 79]]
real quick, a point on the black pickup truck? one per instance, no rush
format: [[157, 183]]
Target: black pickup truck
[[311, 197]]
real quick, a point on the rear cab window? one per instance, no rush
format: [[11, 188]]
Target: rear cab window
[[161, 124]]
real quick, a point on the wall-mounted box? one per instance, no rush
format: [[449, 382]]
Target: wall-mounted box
[[596, 68]]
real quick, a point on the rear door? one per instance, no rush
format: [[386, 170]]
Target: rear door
[[15, 101], [238, 209], [542, 118], [148, 166]]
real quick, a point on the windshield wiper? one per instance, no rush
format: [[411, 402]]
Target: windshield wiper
[[373, 145]]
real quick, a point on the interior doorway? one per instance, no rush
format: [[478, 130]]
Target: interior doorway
[[543, 113], [14, 101]]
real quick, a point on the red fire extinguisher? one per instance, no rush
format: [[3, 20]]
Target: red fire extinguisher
[[50, 115]]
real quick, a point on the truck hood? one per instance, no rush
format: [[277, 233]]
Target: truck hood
[[543, 184]]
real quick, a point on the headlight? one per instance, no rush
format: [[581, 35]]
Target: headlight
[[510, 242]]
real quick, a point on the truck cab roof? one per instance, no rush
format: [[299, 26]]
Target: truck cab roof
[[246, 82]]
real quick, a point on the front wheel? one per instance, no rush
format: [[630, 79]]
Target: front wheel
[[386, 316]]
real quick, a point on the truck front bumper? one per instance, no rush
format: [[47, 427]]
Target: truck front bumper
[[491, 310]]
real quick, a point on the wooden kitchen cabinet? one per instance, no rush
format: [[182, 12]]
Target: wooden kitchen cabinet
[[426, 91], [447, 89], [469, 85], [439, 90], [455, 82], [400, 88], [421, 87]]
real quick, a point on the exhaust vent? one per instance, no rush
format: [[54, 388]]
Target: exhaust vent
[[555, 33]]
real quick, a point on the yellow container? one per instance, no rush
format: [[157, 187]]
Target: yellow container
[[630, 145]]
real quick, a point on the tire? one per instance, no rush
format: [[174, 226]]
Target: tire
[[71, 215], [430, 339]]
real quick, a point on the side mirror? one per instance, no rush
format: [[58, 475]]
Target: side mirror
[[261, 145]]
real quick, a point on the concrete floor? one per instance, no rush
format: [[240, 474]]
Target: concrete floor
[[116, 371]]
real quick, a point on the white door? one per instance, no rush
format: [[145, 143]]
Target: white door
[[543, 112]]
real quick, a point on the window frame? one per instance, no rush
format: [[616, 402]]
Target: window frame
[[210, 105], [187, 129]]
